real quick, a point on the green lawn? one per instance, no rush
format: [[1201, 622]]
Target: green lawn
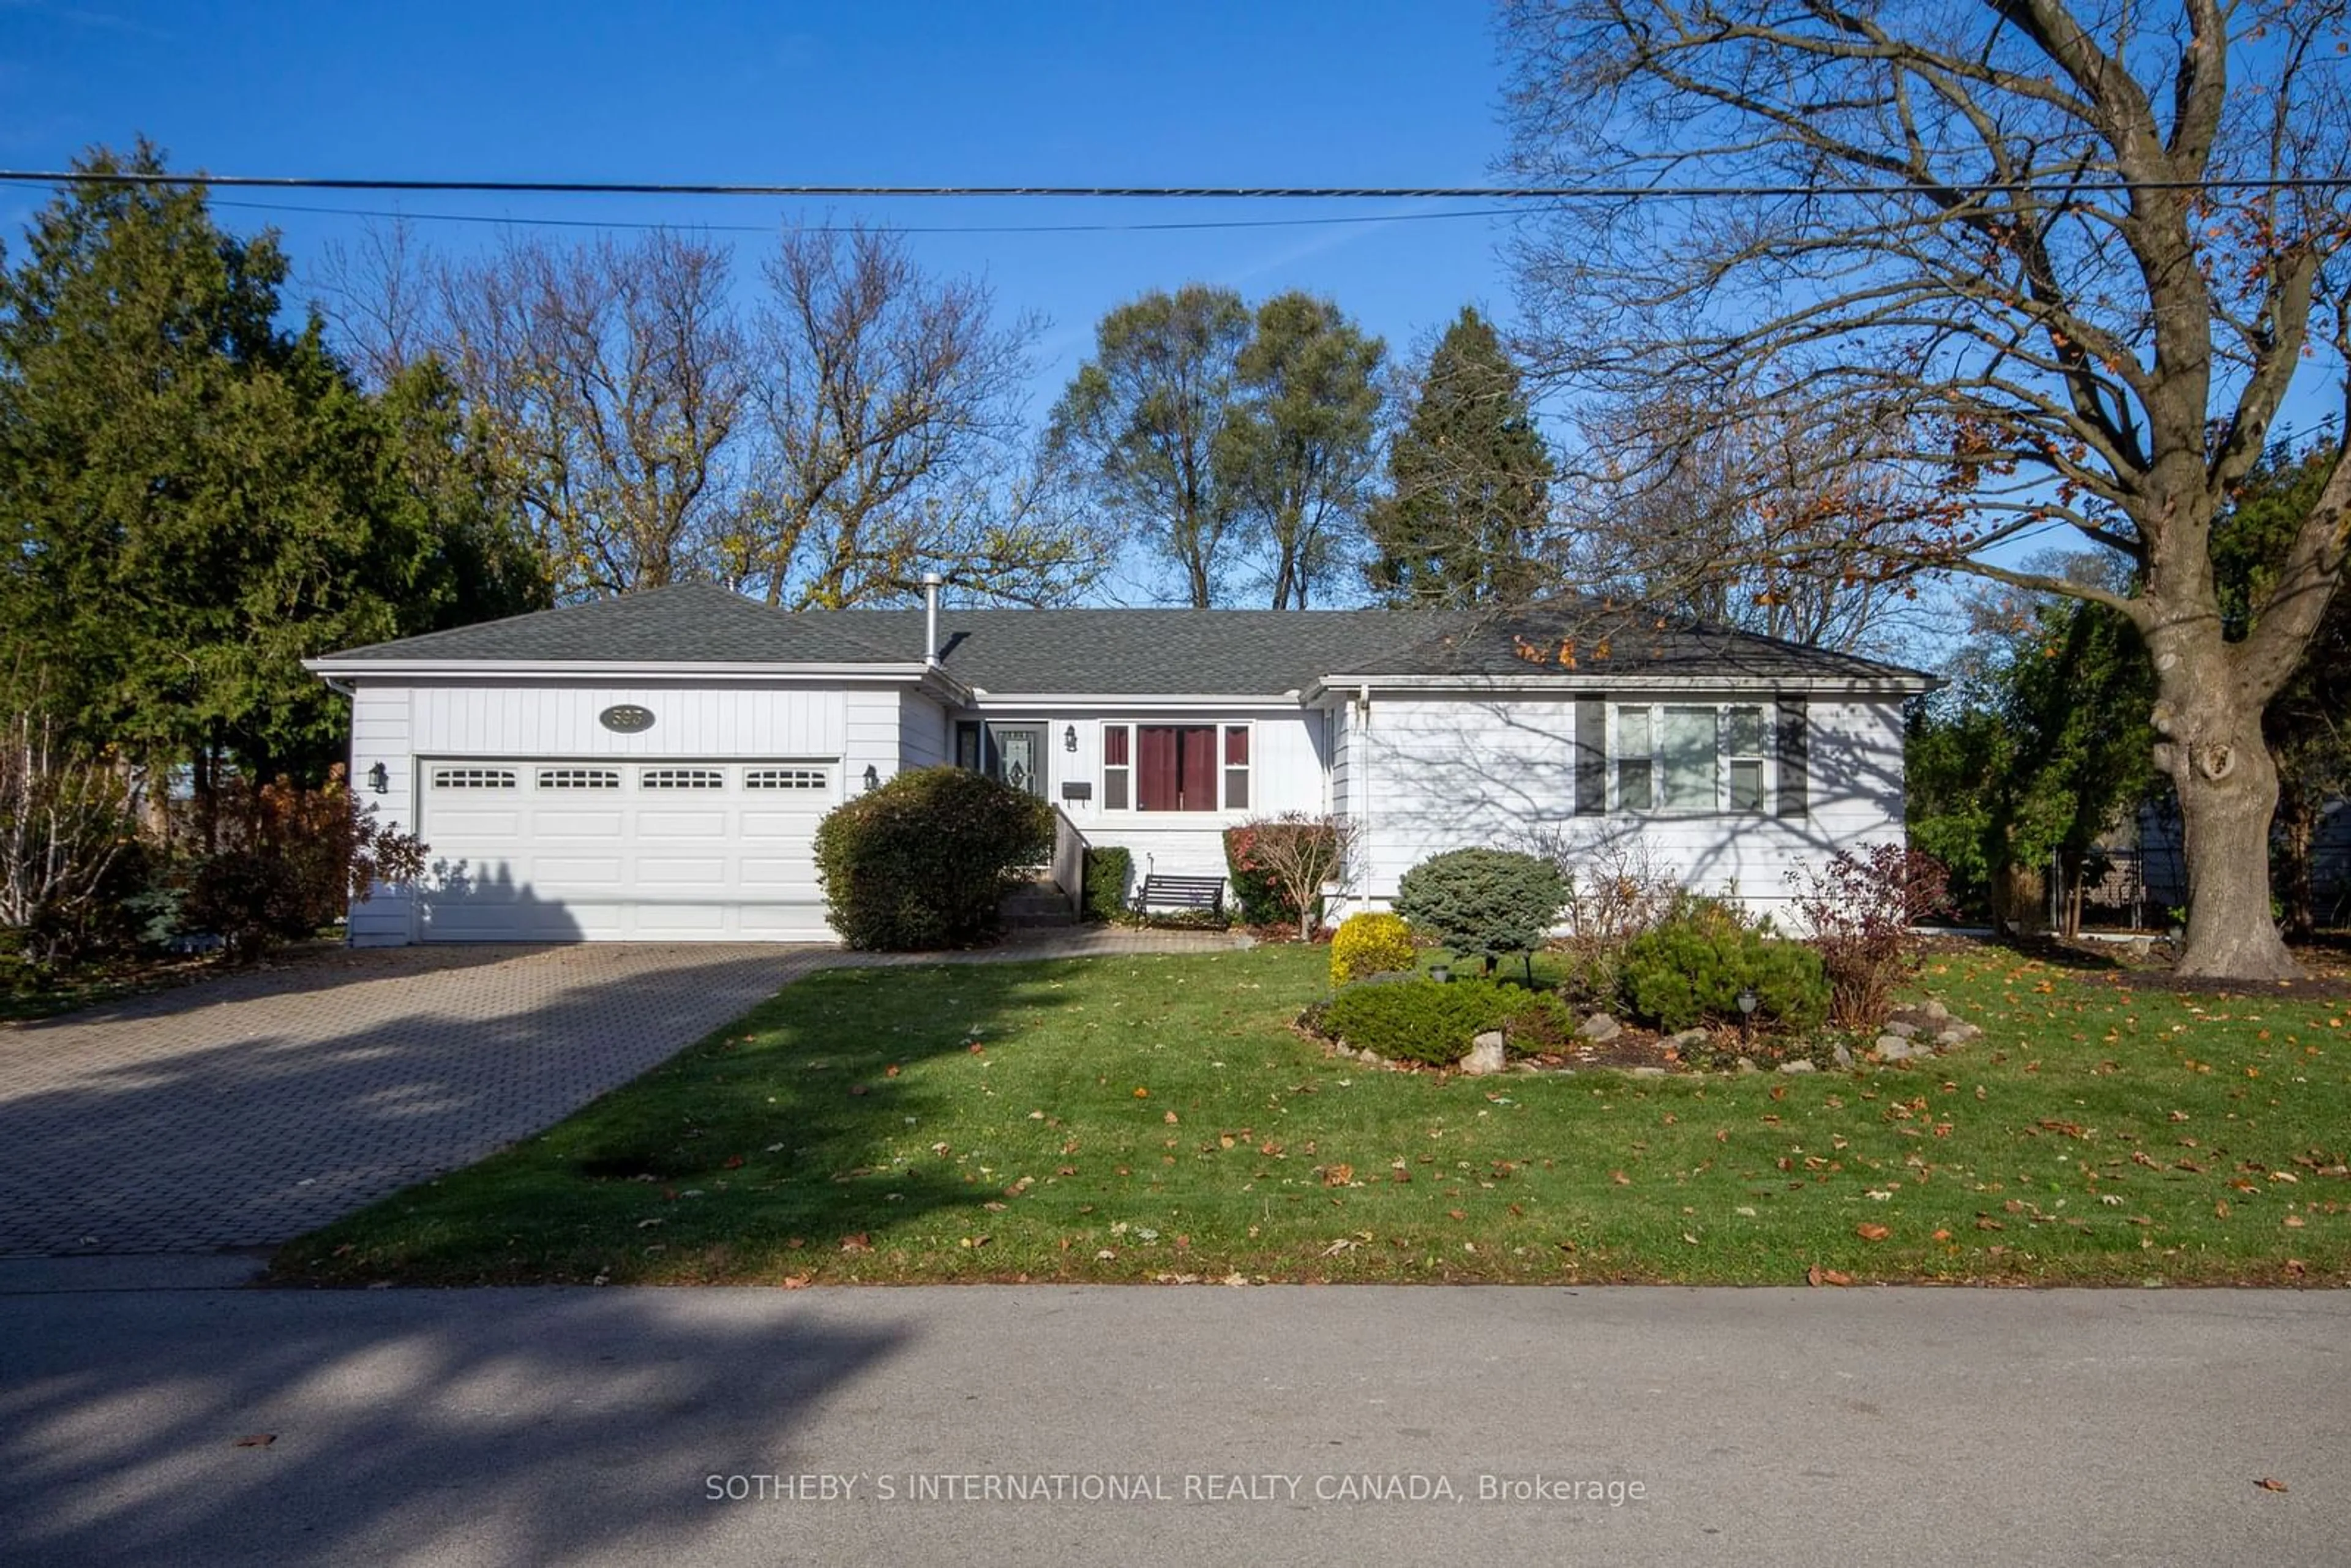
[[1144, 1118]]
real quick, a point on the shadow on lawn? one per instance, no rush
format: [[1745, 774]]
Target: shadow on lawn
[[787, 1140]]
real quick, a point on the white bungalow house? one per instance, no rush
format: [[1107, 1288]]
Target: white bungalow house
[[653, 766]]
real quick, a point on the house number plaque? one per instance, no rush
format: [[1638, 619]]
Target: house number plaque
[[626, 719]]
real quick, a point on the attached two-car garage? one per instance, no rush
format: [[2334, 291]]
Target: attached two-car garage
[[597, 849]]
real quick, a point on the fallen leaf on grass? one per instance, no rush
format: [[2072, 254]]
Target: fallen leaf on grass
[[1338, 1176], [793, 1283], [860, 1242], [1816, 1275], [1620, 1178], [1872, 1232]]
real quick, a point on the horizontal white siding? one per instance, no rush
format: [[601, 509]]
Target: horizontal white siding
[[1288, 772], [921, 732], [379, 734], [1439, 775]]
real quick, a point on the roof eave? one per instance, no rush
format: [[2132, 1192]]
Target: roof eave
[[628, 669], [1892, 682]]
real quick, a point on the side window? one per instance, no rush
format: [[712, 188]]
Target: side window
[[1118, 767], [1237, 768], [1636, 760], [1743, 757]]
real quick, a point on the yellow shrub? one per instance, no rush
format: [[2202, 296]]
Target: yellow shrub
[[1370, 944]]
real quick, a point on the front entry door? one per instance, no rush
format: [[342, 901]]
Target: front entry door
[[1012, 753], [1020, 758]]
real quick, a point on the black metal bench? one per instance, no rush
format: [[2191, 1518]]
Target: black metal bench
[[1182, 892]]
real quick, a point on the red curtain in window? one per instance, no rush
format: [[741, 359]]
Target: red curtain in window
[[1195, 768], [1174, 768], [1155, 778]]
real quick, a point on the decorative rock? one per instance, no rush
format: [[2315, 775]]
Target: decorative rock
[[1687, 1038], [1486, 1055], [1746, 1065], [1935, 1011], [1798, 1067], [1903, 1027], [1599, 1027], [1648, 1072], [1894, 1048], [1370, 1059], [1841, 1056], [1959, 1034]]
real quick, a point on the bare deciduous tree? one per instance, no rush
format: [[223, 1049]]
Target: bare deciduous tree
[[892, 437], [64, 823], [2010, 232], [1741, 512], [613, 377]]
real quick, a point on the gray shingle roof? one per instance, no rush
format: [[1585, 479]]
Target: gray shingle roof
[[1146, 653]]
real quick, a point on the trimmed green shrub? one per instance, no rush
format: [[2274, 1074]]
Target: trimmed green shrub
[[1690, 970], [1110, 872], [1483, 904], [1420, 1020], [1370, 944], [921, 862]]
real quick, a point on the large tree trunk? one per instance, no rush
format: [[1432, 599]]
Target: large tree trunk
[[2228, 787]]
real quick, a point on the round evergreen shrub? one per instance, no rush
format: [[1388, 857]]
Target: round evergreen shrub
[[1370, 944], [921, 862], [1483, 902], [1690, 970]]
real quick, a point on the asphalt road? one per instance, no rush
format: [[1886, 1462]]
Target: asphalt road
[[1148, 1425]]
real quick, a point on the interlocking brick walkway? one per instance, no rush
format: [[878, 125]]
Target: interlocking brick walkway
[[244, 1111]]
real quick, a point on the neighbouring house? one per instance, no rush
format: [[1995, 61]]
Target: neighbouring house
[[653, 766]]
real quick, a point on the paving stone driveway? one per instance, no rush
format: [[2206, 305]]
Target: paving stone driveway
[[245, 1111]]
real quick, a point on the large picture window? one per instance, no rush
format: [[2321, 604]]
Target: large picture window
[[1690, 759], [1176, 767]]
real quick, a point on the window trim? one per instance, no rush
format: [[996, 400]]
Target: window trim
[[687, 778], [1766, 759], [1219, 769]]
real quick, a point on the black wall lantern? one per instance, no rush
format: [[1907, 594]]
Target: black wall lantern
[[1070, 738], [872, 777], [379, 779]]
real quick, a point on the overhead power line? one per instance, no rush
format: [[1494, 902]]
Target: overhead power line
[[503, 220], [2054, 186]]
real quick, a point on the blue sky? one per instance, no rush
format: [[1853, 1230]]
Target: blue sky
[[1397, 93]]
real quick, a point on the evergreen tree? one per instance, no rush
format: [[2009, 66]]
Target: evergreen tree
[[199, 499], [1468, 481]]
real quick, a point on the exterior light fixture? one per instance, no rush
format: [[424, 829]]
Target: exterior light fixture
[[380, 778], [872, 777], [1748, 1002], [1070, 738], [1440, 973]]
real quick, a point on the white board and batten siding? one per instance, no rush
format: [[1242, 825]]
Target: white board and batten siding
[[638, 854], [1423, 775]]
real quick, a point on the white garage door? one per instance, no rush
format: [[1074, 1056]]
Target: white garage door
[[569, 850]]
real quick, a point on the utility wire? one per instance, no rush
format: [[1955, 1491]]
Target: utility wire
[[1163, 193], [888, 228]]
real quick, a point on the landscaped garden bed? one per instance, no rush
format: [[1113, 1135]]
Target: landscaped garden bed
[[1145, 1119]]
